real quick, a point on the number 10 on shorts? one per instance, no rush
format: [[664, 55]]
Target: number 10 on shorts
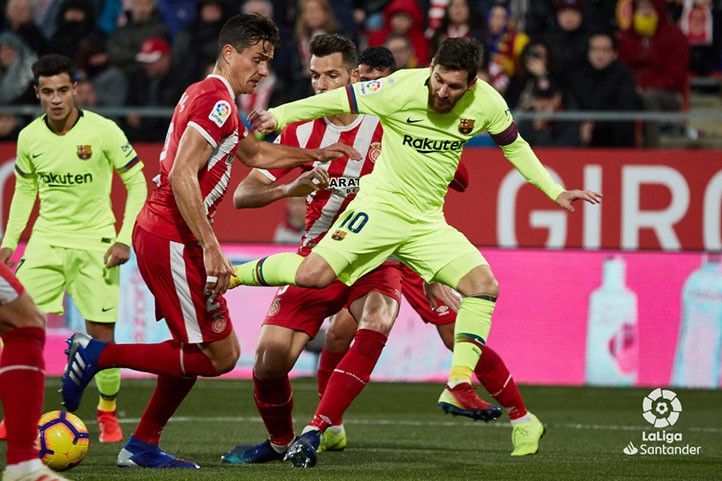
[[356, 221]]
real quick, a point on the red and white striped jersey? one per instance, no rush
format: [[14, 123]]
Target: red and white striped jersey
[[324, 206], [208, 107]]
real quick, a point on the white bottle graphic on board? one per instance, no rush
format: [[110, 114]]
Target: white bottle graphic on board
[[697, 361], [612, 338]]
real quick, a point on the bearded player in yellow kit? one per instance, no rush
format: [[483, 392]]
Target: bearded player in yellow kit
[[67, 158], [427, 116]]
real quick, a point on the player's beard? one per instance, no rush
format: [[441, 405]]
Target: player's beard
[[438, 105]]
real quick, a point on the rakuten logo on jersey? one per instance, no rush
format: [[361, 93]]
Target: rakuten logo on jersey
[[54, 179], [427, 146]]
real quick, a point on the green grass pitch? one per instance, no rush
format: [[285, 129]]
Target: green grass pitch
[[397, 433]]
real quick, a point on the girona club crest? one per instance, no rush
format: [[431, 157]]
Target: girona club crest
[[466, 126], [84, 152], [374, 151]]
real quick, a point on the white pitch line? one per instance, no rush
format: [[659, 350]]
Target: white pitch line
[[401, 422]]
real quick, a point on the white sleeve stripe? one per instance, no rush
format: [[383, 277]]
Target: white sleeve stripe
[[205, 134], [268, 174]]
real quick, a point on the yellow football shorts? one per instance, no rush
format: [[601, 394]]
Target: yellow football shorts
[[370, 231], [47, 271]]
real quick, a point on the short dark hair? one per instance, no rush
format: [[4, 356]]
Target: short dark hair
[[245, 30], [377, 58], [461, 53], [53, 64], [604, 33], [331, 43]]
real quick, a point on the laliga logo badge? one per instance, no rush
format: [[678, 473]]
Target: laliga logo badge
[[661, 408]]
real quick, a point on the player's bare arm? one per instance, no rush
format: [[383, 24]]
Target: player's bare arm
[[566, 198], [255, 153], [5, 254], [193, 152], [257, 190]]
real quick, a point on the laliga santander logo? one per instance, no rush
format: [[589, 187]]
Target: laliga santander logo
[[661, 408]]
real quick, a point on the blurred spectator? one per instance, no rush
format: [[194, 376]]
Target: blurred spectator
[[110, 16], [154, 84], [177, 14], [315, 17], [658, 54], [369, 13], [540, 16], [19, 19], [460, 20], [197, 44], [404, 17], [402, 50], [434, 16], [546, 97], [10, 126], [109, 82], [701, 22], [16, 76], [604, 84], [568, 36], [344, 12], [76, 21], [45, 14], [537, 62], [503, 46], [85, 94], [292, 228], [143, 22]]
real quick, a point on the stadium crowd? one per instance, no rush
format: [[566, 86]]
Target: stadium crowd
[[542, 55]]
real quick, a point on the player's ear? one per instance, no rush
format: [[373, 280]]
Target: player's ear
[[473, 82], [37, 92], [431, 66], [355, 75]]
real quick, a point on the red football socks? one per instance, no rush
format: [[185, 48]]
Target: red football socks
[[22, 381], [274, 400], [170, 358], [349, 378], [328, 362], [497, 380], [168, 395]]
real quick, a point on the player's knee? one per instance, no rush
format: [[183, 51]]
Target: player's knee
[[337, 341], [270, 363], [314, 277], [379, 320], [224, 356]]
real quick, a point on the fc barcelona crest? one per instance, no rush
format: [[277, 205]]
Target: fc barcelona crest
[[466, 126], [339, 235], [84, 152]]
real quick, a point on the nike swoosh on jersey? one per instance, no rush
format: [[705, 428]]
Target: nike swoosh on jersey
[[34, 156], [409, 121]]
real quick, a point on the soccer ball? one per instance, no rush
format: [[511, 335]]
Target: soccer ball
[[64, 440]]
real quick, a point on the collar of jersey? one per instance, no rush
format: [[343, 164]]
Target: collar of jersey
[[344, 128], [80, 114], [225, 82]]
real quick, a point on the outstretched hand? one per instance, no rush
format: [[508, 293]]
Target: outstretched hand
[[566, 198], [263, 121], [334, 151], [308, 182], [443, 293]]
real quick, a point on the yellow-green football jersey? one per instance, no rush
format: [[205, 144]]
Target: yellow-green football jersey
[[72, 174], [422, 148]]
